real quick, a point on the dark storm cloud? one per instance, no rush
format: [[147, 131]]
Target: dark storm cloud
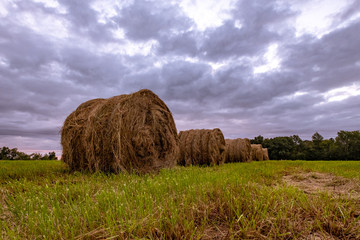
[[45, 77], [306, 114], [38, 133], [144, 20], [85, 20], [228, 41], [89, 68], [185, 80], [254, 33], [177, 80], [328, 62], [166, 23], [243, 89], [24, 49], [206, 77], [179, 44], [82, 19]]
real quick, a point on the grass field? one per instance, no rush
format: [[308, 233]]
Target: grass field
[[43, 200]]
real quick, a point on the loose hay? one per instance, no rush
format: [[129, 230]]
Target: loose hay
[[201, 147], [265, 154], [257, 152], [237, 150], [134, 132]]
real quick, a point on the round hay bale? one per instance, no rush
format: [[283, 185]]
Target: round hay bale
[[134, 132], [72, 134], [201, 147], [256, 152], [238, 150], [265, 154]]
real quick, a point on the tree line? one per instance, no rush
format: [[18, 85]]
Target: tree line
[[13, 154], [346, 146]]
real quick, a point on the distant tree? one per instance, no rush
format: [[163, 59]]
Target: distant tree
[[280, 148], [35, 156], [333, 152], [52, 156], [318, 152], [14, 154], [296, 139], [49, 156], [23, 156], [308, 150], [298, 152], [257, 140], [317, 138], [5, 153], [328, 150], [348, 145]]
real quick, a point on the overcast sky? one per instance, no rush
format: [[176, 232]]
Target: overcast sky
[[251, 67]]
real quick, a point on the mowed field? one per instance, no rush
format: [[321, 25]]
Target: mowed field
[[257, 200]]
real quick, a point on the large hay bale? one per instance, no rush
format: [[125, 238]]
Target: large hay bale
[[265, 154], [134, 132], [72, 134], [256, 152], [201, 147], [238, 150]]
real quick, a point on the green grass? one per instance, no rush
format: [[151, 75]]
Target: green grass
[[43, 200]]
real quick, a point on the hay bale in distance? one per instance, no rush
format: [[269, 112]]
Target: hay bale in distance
[[130, 132], [265, 154], [256, 152], [238, 150], [201, 147]]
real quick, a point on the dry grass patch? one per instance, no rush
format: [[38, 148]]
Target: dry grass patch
[[315, 182]]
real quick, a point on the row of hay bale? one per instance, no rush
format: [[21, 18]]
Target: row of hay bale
[[136, 132], [208, 147]]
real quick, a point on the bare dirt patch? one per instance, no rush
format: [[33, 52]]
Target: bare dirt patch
[[315, 182]]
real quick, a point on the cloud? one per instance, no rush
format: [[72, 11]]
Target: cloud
[[85, 20], [23, 49], [47, 132], [90, 68], [144, 20], [179, 44], [350, 12], [54, 56], [248, 33], [325, 63]]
